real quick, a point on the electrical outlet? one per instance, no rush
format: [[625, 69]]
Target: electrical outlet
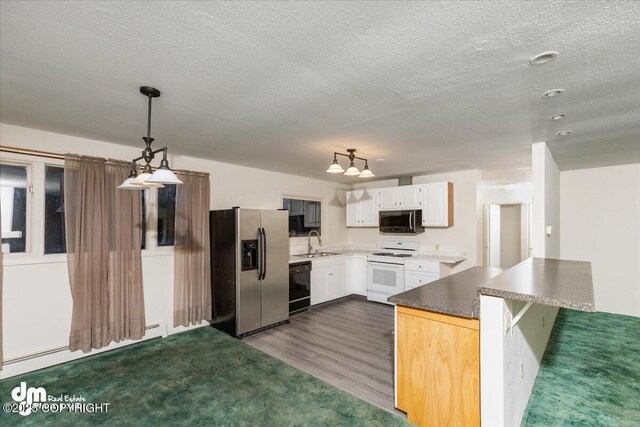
[[522, 370]]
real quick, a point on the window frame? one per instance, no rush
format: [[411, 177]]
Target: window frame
[[155, 225], [152, 227], [299, 241], [30, 226], [53, 163]]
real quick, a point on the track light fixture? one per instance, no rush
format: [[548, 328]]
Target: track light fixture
[[148, 178], [352, 170]]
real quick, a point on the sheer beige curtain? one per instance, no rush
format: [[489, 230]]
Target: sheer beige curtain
[[103, 252], [126, 296], [192, 273]]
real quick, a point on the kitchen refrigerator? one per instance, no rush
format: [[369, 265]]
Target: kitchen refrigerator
[[249, 269]]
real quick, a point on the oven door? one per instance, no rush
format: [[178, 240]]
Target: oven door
[[385, 278]]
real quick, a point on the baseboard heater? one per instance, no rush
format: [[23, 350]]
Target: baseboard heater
[[52, 351]]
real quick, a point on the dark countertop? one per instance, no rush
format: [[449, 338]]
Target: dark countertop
[[456, 294], [545, 281], [552, 282]]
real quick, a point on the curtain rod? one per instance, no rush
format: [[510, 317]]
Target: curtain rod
[[37, 153], [51, 155]]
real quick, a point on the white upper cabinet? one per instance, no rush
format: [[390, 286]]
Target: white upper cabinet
[[437, 206], [362, 208], [410, 196], [387, 199], [399, 198]]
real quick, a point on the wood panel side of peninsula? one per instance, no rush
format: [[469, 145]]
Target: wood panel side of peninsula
[[438, 368]]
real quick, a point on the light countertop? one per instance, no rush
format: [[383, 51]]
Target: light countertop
[[442, 257]]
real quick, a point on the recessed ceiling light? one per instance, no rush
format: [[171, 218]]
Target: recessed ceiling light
[[379, 160], [557, 117], [564, 132], [552, 93], [543, 58]]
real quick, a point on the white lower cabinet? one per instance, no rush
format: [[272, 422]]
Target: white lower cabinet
[[319, 285], [355, 274], [327, 280], [336, 277], [414, 280], [420, 272]]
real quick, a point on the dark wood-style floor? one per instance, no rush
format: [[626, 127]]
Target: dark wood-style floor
[[347, 343]]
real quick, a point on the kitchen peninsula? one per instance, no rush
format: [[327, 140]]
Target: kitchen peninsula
[[437, 332]]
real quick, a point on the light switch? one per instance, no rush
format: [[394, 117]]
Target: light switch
[[549, 230]]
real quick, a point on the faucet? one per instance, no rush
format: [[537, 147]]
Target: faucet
[[309, 248]]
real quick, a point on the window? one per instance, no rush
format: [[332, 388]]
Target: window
[[166, 214], [13, 196], [54, 233], [304, 216]]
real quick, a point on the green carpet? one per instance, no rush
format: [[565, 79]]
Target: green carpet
[[590, 373], [196, 378]]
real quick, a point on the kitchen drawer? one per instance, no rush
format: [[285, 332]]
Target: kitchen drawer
[[413, 280], [330, 261], [422, 265]]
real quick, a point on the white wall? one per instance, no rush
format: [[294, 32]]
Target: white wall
[[464, 236], [546, 202], [37, 299], [600, 221], [521, 192]]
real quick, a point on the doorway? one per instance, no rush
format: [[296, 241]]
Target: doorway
[[506, 234]]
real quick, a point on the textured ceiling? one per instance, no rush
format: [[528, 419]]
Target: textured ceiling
[[429, 86]]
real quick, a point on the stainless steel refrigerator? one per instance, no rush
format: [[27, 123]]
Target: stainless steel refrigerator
[[249, 269]]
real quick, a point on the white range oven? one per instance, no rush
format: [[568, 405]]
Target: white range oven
[[385, 270]]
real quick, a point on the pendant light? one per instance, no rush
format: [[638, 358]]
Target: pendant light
[[366, 173], [128, 183], [148, 178], [352, 170], [335, 167]]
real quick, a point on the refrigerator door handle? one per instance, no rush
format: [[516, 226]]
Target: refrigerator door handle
[[264, 254], [260, 255]]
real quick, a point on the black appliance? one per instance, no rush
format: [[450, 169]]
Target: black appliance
[[299, 286], [403, 222]]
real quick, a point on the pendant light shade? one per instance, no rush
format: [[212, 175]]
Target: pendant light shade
[[163, 176], [129, 185], [142, 182], [366, 173], [335, 167], [352, 170]]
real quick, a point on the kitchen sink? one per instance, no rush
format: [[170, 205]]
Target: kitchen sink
[[318, 255]]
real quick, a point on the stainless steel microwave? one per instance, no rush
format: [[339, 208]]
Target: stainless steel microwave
[[403, 222]]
